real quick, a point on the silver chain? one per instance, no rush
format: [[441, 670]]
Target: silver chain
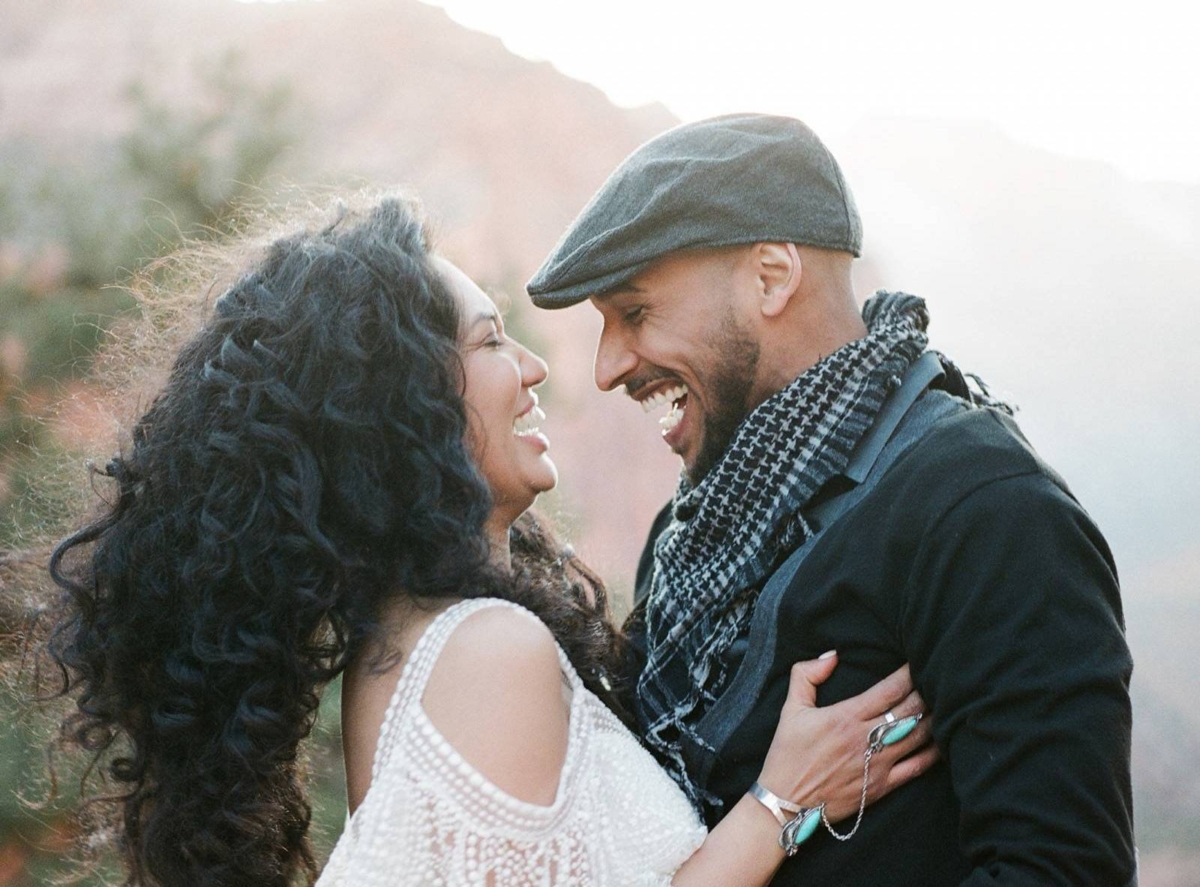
[[862, 804]]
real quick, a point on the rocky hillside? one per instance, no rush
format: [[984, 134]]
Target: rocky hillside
[[503, 152]]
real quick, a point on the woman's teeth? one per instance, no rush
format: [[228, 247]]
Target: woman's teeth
[[671, 419], [672, 396], [667, 395], [528, 423]]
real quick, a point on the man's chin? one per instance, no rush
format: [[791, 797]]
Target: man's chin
[[699, 464], [692, 456], [715, 439]]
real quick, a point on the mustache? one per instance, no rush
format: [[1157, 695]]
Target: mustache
[[635, 386]]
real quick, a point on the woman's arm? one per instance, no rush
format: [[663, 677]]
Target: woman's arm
[[496, 696], [742, 850], [816, 757]]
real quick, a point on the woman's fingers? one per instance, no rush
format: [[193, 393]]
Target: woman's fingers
[[907, 759], [885, 695], [910, 705], [904, 761], [904, 771], [921, 734], [807, 675]]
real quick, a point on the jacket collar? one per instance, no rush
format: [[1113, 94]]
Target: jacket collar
[[919, 376]]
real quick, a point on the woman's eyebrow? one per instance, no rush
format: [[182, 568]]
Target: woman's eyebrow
[[486, 317], [502, 300]]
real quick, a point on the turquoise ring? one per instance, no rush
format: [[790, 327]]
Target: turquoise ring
[[892, 730]]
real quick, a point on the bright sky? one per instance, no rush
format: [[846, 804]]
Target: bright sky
[[1121, 86]]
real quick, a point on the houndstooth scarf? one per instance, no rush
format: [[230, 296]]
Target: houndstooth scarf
[[729, 530]]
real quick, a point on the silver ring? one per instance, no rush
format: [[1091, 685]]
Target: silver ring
[[875, 737]]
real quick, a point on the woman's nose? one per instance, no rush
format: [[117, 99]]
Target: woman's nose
[[534, 369]]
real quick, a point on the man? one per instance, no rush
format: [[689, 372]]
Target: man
[[845, 489]]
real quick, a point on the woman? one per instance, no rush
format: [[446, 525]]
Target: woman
[[334, 480]]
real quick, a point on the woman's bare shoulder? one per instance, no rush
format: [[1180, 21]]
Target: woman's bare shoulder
[[497, 695]]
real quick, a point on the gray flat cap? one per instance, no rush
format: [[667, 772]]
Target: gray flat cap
[[741, 178]]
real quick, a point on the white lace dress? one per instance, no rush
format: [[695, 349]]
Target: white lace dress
[[430, 818]]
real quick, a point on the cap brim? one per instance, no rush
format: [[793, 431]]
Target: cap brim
[[572, 294]]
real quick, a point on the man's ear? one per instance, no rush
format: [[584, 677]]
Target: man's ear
[[778, 268]]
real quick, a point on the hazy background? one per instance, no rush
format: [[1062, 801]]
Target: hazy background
[[1032, 172]]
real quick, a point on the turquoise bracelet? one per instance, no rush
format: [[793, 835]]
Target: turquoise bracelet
[[795, 829]]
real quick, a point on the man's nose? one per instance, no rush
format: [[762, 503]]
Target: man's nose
[[614, 360]]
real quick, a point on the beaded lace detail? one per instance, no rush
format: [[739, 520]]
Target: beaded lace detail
[[429, 818]]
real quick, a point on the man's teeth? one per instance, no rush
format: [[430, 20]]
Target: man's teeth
[[528, 423], [667, 395]]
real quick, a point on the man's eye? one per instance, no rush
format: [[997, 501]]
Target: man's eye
[[493, 342], [633, 315]]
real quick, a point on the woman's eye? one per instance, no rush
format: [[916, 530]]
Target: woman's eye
[[493, 342]]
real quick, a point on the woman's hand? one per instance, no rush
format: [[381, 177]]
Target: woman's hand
[[817, 753]]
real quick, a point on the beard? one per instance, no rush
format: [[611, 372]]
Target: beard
[[729, 380]]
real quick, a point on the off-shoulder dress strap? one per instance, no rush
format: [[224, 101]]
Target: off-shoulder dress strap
[[415, 675], [429, 817]]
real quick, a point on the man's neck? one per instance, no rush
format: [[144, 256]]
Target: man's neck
[[803, 348]]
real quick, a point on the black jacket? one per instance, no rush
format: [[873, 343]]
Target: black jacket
[[969, 559]]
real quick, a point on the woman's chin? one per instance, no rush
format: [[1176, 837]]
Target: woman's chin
[[542, 479], [540, 476], [549, 480], [541, 485]]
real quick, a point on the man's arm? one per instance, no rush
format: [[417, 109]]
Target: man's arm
[[1012, 623]]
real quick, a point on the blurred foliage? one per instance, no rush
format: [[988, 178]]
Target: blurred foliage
[[72, 229], [200, 164]]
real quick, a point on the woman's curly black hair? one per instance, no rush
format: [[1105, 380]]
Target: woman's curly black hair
[[304, 465]]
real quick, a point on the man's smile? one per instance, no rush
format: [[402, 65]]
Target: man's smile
[[657, 394]]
